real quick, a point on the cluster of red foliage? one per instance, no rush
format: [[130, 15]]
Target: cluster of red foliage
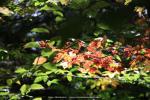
[[140, 54], [135, 55], [91, 59]]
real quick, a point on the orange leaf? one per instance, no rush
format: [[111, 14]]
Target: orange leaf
[[39, 60], [93, 70], [133, 63], [88, 63]]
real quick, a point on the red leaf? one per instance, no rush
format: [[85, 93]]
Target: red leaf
[[92, 70], [88, 64]]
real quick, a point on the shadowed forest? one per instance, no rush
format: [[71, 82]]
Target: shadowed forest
[[74, 49]]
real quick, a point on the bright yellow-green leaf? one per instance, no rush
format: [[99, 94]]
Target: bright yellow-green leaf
[[93, 86], [147, 79], [38, 98], [69, 76], [24, 89], [118, 57], [45, 78], [4, 93], [127, 2], [32, 45], [46, 8], [54, 81], [38, 79], [40, 30], [20, 70], [36, 86]]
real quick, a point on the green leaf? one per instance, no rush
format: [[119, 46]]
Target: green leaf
[[38, 79], [36, 86], [127, 2], [49, 83], [58, 19], [60, 71], [3, 50], [37, 3], [9, 82], [142, 51], [118, 57], [52, 1], [24, 89], [54, 81], [77, 4], [40, 74], [15, 97], [101, 4], [103, 26], [20, 70], [1, 87], [136, 76], [47, 52], [147, 79], [46, 8], [40, 30], [45, 78], [98, 5], [49, 66], [48, 72], [74, 69], [32, 45], [4, 93], [38, 98], [93, 86], [110, 41], [58, 13], [69, 76]]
